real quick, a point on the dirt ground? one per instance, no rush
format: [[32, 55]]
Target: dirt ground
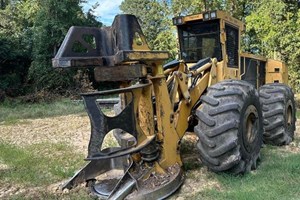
[[75, 130]]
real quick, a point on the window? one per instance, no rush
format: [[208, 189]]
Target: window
[[200, 40], [232, 45]]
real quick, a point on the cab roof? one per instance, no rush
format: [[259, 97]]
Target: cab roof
[[209, 15]]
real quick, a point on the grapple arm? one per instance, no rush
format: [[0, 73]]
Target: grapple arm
[[107, 46]]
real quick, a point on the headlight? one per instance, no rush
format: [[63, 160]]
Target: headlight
[[174, 21], [206, 16], [213, 15], [177, 20], [209, 15]]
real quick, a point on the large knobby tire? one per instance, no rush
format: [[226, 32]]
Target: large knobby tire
[[279, 112], [230, 127]]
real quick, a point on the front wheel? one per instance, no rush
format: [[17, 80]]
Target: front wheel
[[230, 127]]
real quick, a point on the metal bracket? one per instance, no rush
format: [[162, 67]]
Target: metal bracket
[[102, 124]]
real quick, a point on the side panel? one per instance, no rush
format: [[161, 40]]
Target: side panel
[[253, 71], [276, 72], [262, 74]]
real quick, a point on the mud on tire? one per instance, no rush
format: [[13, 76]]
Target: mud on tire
[[279, 112], [230, 127]]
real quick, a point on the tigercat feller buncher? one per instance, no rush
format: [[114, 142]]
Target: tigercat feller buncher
[[232, 101]]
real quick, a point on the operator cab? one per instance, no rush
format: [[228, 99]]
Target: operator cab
[[216, 34], [200, 40], [209, 34]]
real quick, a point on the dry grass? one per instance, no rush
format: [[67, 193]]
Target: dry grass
[[70, 129]]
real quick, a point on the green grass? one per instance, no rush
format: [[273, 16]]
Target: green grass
[[38, 165], [277, 177], [298, 114], [12, 112]]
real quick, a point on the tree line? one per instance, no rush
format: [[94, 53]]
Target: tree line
[[31, 32], [272, 26]]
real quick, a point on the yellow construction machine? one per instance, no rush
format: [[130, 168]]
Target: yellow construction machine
[[233, 102]]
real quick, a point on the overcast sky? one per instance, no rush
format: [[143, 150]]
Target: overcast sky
[[106, 11]]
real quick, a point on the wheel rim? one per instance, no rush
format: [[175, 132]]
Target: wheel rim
[[251, 127], [289, 115]]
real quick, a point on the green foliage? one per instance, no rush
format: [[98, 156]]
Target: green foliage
[[276, 33], [155, 22], [165, 41], [15, 48], [53, 20], [31, 32], [238, 8], [13, 67], [3, 4], [187, 7]]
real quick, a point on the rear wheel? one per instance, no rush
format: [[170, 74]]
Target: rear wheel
[[279, 112], [230, 127]]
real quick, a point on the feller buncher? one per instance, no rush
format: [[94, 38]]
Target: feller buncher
[[233, 102]]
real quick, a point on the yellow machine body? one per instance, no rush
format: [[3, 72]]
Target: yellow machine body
[[157, 101]]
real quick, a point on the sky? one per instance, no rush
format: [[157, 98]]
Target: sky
[[106, 11]]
